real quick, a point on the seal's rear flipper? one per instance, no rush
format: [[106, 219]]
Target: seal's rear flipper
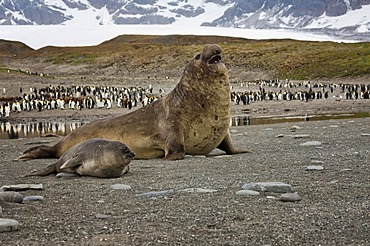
[[41, 151], [44, 172], [227, 146]]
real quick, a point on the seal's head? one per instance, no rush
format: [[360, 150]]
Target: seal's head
[[210, 59], [117, 152]]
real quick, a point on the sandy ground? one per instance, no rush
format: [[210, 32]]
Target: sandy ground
[[334, 207]]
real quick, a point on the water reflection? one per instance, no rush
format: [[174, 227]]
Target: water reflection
[[247, 120], [36, 129]]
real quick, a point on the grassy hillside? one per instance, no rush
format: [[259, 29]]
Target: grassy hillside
[[138, 54]]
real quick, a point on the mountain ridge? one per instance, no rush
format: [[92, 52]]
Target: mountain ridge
[[341, 18]]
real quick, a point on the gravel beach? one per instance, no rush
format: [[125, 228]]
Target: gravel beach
[[195, 200], [200, 200]]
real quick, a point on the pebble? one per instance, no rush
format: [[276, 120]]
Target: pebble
[[294, 128], [7, 225], [20, 187], [277, 187], [314, 168], [271, 197], [317, 161], [33, 198], [333, 126], [311, 143], [156, 193], [300, 136], [280, 136], [290, 197], [102, 216], [247, 193], [199, 190], [346, 170], [63, 174], [365, 134], [120, 187]]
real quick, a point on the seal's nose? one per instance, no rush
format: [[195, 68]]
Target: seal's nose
[[130, 154]]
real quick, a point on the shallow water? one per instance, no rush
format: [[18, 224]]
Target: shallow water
[[245, 120], [36, 129]]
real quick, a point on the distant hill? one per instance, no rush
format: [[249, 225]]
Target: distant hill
[[161, 56]]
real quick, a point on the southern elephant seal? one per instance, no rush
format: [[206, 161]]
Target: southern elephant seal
[[94, 157], [192, 119]]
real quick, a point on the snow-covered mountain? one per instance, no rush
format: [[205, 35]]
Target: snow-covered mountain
[[343, 18]]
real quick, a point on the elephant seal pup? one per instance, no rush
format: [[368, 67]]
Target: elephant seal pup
[[192, 119], [94, 157]]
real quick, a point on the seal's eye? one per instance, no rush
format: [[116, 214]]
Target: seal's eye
[[197, 57], [215, 59]]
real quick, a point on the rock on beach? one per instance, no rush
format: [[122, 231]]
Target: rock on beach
[[276, 187]]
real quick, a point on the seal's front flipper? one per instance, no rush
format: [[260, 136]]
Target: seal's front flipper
[[44, 172], [174, 151], [175, 156], [227, 146], [73, 163]]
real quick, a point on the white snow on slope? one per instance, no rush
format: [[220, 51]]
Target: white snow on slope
[[353, 17], [73, 35]]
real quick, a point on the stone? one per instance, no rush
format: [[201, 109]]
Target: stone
[[271, 197], [314, 168], [346, 169], [120, 187], [156, 193], [199, 190], [280, 136], [20, 187], [33, 198], [64, 174], [276, 187], [317, 161], [365, 134], [294, 128], [311, 143], [300, 136], [102, 216], [333, 126], [247, 193], [290, 197], [7, 225]]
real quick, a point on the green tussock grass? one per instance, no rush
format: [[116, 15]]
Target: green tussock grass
[[280, 58]]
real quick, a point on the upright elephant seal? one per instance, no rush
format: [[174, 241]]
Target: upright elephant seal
[[94, 157], [192, 119]]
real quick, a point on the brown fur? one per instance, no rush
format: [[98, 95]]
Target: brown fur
[[94, 157], [192, 119]]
